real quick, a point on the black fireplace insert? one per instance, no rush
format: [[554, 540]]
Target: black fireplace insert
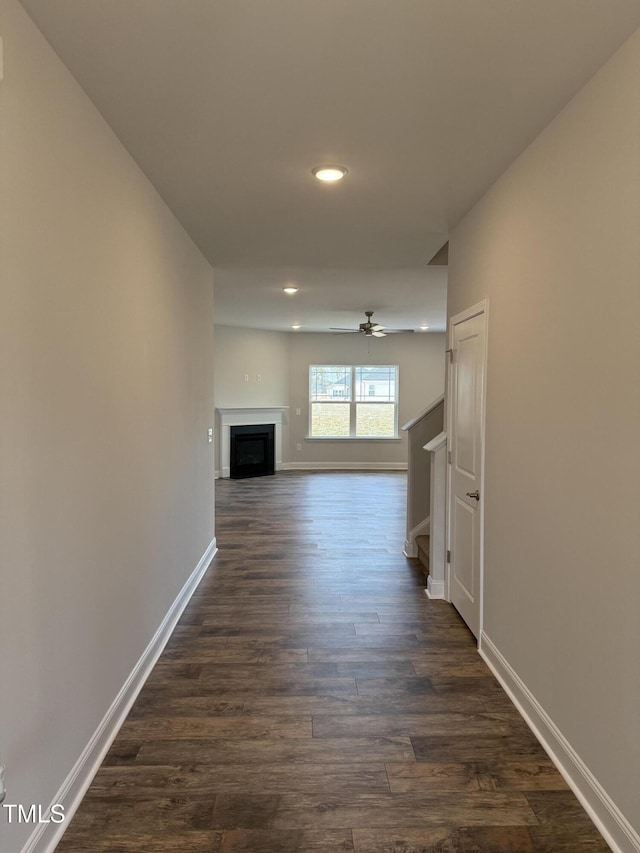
[[252, 451]]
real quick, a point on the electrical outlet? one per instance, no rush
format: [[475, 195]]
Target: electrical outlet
[[246, 377], [298, 447], [258, 378], [210, 435]]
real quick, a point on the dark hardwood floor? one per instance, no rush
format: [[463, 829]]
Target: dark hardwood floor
[[313, 699]]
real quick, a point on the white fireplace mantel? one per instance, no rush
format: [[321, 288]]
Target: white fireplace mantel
[[248, 416]]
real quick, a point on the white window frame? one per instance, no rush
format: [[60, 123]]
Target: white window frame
[[353, 404]]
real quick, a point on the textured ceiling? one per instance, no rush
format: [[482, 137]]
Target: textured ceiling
[[227, 104]]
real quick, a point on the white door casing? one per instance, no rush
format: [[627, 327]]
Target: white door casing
[[467, 380]]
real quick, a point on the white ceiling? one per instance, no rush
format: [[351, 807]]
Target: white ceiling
[[227, 104], [332, 297]]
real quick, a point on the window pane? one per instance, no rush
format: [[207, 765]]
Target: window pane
[[330, 382], [376, 419], [376, 383], [330, 419]]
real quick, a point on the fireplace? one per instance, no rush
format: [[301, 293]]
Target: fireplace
[[252, 451], [258, 416]]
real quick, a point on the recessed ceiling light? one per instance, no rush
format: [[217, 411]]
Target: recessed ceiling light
[[295, 326], [329, 173], [424, 327], [290, 290]]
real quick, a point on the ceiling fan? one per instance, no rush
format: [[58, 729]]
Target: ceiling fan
[[371, 329]]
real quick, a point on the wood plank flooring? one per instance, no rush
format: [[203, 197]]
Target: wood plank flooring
[[313, 699]]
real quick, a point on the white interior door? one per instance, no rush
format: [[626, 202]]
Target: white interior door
[[466, 427]]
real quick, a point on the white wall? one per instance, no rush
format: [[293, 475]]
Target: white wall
[[106, 393], [255, 353], [555, 247], [421, 359]]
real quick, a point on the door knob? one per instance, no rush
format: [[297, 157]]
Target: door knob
[[475, 495]]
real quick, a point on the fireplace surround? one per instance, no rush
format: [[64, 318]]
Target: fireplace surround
[[250, 416]]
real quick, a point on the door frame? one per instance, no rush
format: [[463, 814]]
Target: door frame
[[481, 307]]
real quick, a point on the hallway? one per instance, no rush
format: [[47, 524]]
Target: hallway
[[313, 699]]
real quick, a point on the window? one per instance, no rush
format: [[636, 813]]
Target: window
[[348, 401]]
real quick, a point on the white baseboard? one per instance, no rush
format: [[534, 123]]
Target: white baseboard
[[615, 828], [435, 589], [225, 473], [47, 836], [331, 466], [410, 548], [347, 466]]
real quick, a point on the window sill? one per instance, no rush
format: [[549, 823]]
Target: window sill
[[351, 438]]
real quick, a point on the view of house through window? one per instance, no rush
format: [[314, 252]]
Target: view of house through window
[[353, 401]]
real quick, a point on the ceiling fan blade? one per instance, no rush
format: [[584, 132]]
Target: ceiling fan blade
[[370, 329]]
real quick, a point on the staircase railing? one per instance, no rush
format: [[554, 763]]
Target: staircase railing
[[420, 430], [437, 580]]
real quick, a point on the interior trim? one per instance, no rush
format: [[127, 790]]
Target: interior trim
[[609, 820], [46, 836], [344, 466]]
